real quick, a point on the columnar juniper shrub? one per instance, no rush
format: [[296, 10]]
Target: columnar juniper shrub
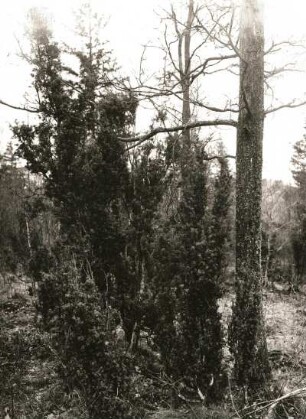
[[190, 259]]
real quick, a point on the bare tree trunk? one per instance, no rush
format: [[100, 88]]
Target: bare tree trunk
[[28, 236], [184, 57], [185, 76], [248, 338], [267, 262]]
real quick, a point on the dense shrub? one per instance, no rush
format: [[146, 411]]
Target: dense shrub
[[94, 360], [190, 258]]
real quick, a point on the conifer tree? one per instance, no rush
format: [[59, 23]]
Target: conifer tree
[[191, 258], [74, 147]]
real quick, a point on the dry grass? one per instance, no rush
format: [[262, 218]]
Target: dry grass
[[285, 320], [195, 413]]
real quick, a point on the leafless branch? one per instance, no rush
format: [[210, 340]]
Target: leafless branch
[[197, 124], [276, 47], [213, 108], [226, 156], [197, 71], [288, 67], [290, 105], [226, 30], [19, 108], [168, 47]]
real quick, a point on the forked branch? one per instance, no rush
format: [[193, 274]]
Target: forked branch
[[19, 108]]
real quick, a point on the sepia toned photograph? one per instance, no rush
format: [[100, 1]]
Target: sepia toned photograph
[[153, 209]]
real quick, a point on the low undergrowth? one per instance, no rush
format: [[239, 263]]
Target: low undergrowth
[[32, 388]]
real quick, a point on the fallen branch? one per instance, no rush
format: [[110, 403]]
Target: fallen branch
[[273, 403]]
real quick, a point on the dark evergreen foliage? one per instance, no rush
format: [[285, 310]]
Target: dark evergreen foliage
[[14, 248], [119, 258], [190, 262], [82, 163], [298, 236], [75, 148]]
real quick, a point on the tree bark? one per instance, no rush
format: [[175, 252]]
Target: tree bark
[[247, 338], [185, 66], [185, 77]]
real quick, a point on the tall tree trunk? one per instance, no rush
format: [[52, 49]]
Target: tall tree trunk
[[185, 76], [248, 340], [185, 65]]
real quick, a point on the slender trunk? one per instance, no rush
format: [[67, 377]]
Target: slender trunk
[[267, 262], [133, 343], [185, 59], [185, 77], [248, 338], [28, 236]]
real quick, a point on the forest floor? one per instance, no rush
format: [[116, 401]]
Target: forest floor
[[285, 315], [29, 383], [286, 335]]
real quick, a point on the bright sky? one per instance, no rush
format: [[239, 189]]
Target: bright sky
[[133, 23]]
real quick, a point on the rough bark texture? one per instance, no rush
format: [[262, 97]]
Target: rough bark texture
[[248, 339]]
